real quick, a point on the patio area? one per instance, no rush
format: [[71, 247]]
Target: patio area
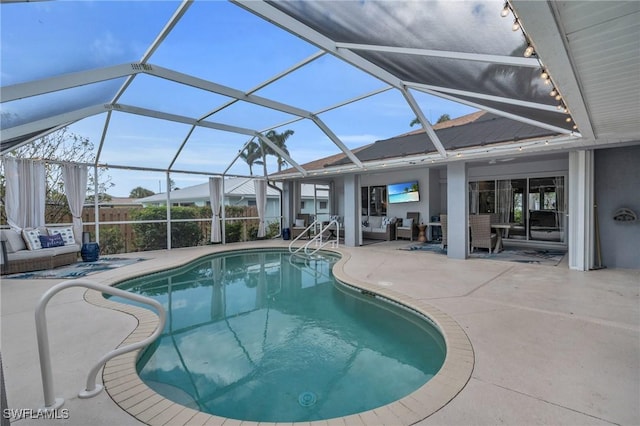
[[551, 345]]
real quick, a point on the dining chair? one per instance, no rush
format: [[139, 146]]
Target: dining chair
[[481, 235]]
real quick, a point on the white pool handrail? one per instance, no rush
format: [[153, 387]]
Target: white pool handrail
[[92, 389], [318, 239]]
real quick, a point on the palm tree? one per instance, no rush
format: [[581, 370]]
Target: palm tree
[[443, 117], [251, 154], [279, 140]]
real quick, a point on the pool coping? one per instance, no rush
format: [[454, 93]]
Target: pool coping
[[130, 393]]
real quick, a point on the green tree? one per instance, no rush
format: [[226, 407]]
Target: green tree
[[60, 146], [140, 192], [443, 118], [279, 140], [251, 155]]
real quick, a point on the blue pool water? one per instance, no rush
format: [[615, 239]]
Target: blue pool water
[[261, 336]]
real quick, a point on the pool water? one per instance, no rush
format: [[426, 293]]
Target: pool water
[[264, 336]]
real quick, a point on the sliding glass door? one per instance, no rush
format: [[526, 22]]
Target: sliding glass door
[[534, 207]]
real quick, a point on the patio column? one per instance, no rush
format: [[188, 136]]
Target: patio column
[[351, 210], [289, 206], [457, 211], [581, 201]]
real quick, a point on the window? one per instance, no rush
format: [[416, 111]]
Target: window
[[251, 202], [322, 205], [301, 205], [374, 200]]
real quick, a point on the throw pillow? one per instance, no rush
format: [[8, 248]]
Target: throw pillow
[[407, 223], [31, 238], [48, 241], [299, 223], [14, 241], [66, 232]]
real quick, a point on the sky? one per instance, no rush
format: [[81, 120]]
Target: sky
[[215, 41]]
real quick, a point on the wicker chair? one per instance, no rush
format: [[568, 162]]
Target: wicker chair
[[299, 230], [409, 231], [443, 229], [481, 236]]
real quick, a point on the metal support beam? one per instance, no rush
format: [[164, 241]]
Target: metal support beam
[[67, 81], [476, 57], [355, 160], [425, 123]]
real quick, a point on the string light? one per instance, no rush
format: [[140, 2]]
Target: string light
[[530, 51]]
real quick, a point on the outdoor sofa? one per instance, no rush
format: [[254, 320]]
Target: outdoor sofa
[[379, 228], [19, 255]]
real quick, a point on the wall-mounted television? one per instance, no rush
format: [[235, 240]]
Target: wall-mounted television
[[403, 192]]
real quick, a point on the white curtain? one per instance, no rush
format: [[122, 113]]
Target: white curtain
[[473, 195], [560, 207], [25, 193], [505, 200], [215, 190], [12, 195], [261, 203], [74, 177]]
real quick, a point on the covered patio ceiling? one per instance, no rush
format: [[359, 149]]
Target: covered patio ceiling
[[172, 84]]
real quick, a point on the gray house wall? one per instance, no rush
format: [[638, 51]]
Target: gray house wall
[[617, 184]]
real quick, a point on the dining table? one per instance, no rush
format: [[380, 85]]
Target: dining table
[[500, 227]]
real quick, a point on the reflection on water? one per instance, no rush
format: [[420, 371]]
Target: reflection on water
[[263, 336]]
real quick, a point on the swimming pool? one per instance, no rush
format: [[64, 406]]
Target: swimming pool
[[262, 336]]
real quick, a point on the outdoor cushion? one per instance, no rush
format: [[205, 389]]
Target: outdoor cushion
[[14, 241], [49, 241], [31, 238], [299, 223], [407, 223], [66, 232]]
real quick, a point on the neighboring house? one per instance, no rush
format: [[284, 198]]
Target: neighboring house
[[241, 192]]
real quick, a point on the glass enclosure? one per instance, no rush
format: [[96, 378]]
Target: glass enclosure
[[535, 208]]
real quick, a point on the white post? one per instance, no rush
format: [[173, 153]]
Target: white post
[[581, 200], [457, 211]]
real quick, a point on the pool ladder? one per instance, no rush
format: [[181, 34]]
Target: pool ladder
[[92, 389]]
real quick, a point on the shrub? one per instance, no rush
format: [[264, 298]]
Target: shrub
[[153, 236], [111, 241]]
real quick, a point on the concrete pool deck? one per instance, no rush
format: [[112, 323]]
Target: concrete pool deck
[[551, 346]]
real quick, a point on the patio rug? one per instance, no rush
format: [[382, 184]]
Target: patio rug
[[77, 270], [537, 256]]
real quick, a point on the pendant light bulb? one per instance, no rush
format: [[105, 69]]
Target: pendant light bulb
[[553, 92], [505, 11], [516, 25], [544, 75], [528, 51]]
